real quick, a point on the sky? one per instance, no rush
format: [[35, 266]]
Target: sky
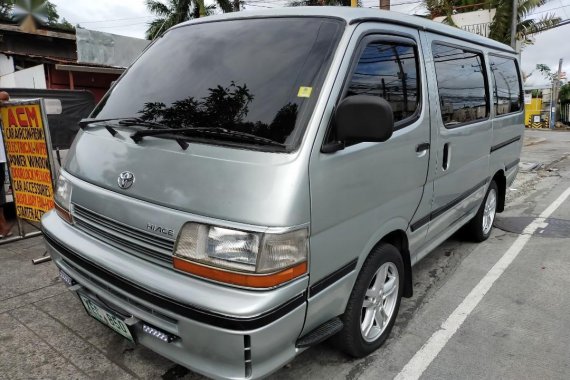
[[130, 18]]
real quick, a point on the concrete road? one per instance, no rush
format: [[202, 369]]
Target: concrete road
[[493, 310]]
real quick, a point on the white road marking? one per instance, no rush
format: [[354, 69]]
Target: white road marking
[[428, 352]]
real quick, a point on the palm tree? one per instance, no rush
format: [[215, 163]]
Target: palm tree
[[500, 28], [448, 8], [526, 27], [177, 11]]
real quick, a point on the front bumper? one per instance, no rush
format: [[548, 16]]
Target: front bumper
[[249, 337]]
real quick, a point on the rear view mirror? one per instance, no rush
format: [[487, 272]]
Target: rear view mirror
[[362, 118]]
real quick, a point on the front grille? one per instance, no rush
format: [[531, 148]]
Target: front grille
[[123, 237]]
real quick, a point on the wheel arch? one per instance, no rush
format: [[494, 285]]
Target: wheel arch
[[399, 239], [501, 182]]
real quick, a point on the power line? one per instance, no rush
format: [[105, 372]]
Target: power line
[[121, 26], [117, 19], [407, 2], [396, 4], [549, 10], [566, 14], [257, 5], [267, 1], [284, 2], [264, 4], [561, 23]]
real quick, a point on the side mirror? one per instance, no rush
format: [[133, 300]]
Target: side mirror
[[364, 118]]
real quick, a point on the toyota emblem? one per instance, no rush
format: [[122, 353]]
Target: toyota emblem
[[126, 180]]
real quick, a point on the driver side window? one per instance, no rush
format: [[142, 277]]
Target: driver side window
[[389, 70]]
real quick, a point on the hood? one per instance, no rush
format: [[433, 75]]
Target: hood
[[238, 185]]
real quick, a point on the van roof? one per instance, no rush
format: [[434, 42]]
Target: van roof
[[357, 15]]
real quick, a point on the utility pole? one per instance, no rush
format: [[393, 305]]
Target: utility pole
[[514, 24], [554, 95], [353, 3], [385, 5]]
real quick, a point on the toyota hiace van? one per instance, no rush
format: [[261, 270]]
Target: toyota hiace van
[[258, 182]]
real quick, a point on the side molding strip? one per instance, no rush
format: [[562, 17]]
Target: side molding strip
[[512, 164], [505, 143], [434, 214], [327, 281]]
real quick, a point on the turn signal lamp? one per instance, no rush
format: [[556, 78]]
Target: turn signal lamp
[[243, 258]]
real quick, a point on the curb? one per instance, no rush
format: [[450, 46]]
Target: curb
[[534, 142]]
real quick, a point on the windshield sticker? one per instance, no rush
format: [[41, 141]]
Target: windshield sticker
[[304, 92]]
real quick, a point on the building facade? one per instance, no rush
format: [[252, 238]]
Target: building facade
[[42, 57]]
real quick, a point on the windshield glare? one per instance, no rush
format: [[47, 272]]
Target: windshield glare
[[258, 76]]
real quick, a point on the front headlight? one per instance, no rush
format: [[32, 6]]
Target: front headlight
[[243, 258], [62, 198]]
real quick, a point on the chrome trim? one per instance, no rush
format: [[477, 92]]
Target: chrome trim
[[119, 235]]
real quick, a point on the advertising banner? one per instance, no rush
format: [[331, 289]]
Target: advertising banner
[[28, 154]]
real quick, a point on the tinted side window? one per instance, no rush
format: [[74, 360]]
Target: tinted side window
[[389, 71], [461, 85], [506, 85]]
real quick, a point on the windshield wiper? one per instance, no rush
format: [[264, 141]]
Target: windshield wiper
[[219, 131], [123, 121], [129, 122], [126, 121]]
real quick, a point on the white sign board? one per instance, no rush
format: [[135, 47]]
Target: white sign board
[[477, 22], [527, 98]]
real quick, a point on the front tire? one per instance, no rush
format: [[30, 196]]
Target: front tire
[[480, 227], [374, 302]]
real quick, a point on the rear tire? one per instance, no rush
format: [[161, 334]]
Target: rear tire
[[480, 227], [374, 302]]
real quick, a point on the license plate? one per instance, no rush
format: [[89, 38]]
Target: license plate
[[106, 317]]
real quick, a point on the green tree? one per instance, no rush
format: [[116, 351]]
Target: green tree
[[41, 11], [176, 11], [65, 25], [448, 8], [564, 95], [546, 71], [500, 29], [6, 9], [526, 27]]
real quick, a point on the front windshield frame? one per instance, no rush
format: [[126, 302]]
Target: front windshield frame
[[306, 108]]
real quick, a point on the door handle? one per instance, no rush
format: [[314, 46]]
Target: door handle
[[421, 147], [446, 155]]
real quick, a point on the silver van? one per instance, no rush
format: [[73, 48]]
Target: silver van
[[258, 182]]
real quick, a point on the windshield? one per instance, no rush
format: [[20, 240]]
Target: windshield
[[257, 76]]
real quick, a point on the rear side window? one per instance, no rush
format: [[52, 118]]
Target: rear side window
[[389, 70], [507, 93], [461, 85]]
